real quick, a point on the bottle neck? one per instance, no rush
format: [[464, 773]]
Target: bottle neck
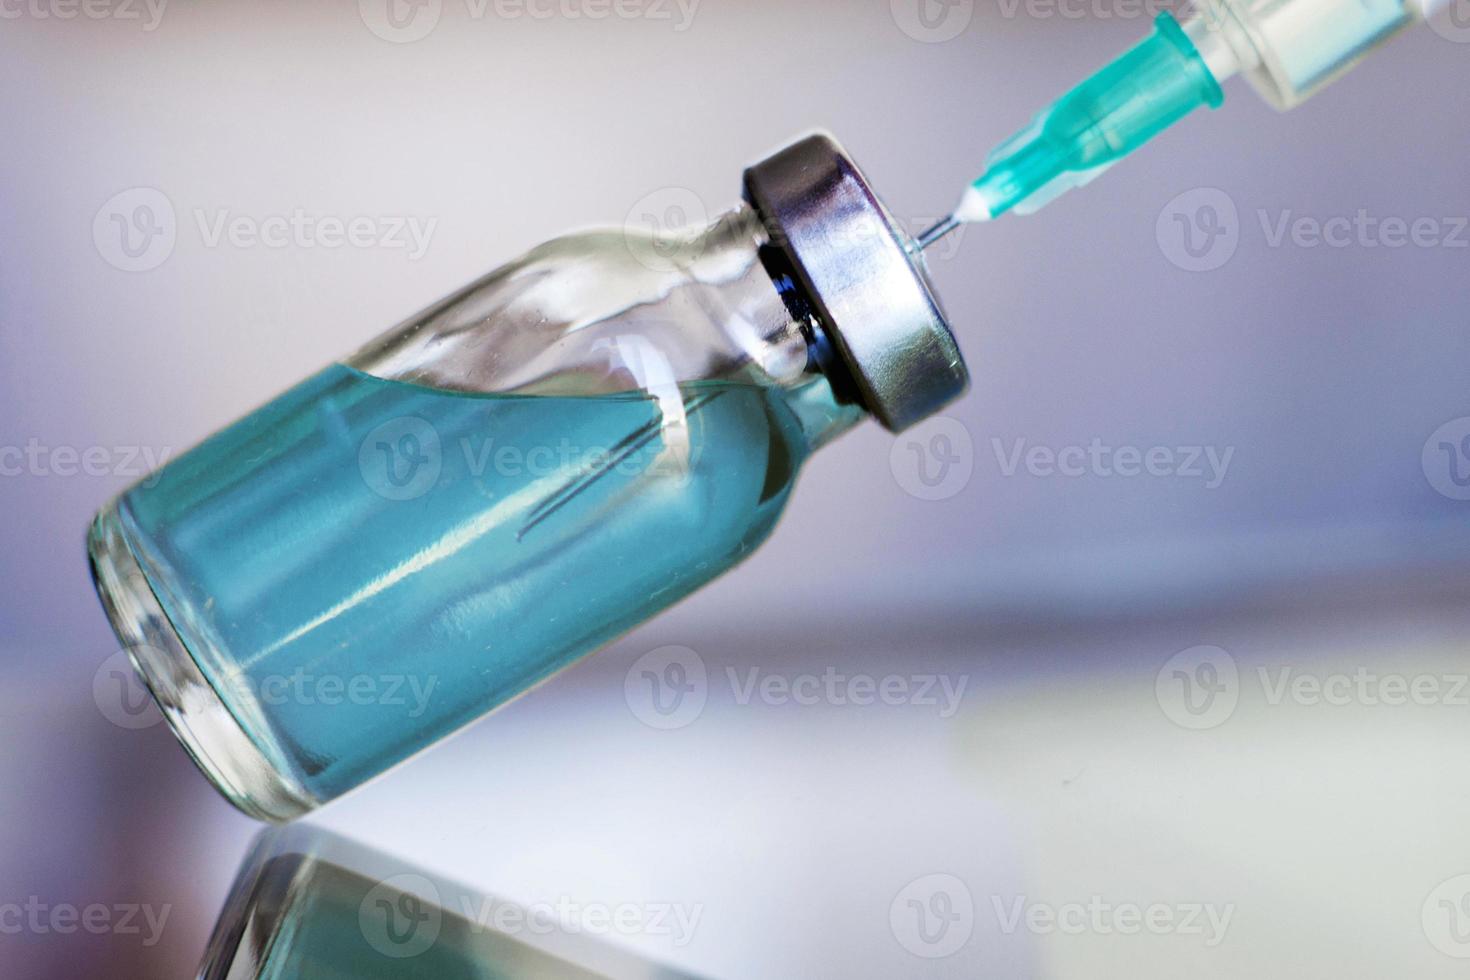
[[624, 310], [794, 350], [822, 415]]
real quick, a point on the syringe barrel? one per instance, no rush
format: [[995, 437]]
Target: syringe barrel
[[1291, 49]]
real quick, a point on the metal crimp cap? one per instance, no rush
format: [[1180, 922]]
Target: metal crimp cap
[[870, 290]]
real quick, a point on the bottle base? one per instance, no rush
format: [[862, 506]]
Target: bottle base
[[207, 729]]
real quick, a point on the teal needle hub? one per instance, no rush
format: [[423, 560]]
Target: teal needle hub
[[1117, 110]]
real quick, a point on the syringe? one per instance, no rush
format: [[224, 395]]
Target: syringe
[[1289, 49]]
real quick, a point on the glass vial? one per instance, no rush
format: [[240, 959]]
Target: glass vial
[[511, 479], [310, 904]]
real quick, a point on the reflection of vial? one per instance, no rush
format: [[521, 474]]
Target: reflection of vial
[[511, 479], [309, 904]]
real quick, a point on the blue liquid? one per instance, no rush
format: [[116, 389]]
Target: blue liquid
[[336, 916], [354, 591]]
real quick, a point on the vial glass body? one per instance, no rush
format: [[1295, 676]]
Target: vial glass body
[[497, 487]]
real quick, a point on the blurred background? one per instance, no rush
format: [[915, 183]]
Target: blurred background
[[1172, 602]]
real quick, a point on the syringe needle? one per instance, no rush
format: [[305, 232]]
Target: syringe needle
[[934, 234], [1111, 114]]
